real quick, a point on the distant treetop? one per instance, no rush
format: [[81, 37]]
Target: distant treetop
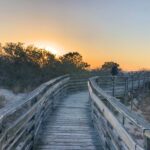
[[111, 67]]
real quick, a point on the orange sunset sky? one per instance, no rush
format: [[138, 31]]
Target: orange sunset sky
[[100, 30]]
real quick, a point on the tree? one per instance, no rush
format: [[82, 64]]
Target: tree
[[29, 66], [39, 56], [108, 65], [73, 62], [114, 70], [25, 64], [111, 67], [15, 51]]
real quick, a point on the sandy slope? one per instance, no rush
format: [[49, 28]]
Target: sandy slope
[[10, 97]]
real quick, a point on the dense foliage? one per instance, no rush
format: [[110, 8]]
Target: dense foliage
[[109, 65], [108, 68], [25, 67]]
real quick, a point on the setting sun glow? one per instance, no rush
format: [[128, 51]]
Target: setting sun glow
[[100, 31], [47, 46]]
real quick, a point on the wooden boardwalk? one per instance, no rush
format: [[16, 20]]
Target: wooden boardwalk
[[69, 127]]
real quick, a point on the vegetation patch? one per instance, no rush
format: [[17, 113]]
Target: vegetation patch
[[22, 68]]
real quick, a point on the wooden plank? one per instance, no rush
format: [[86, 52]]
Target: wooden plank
[[70, 127]]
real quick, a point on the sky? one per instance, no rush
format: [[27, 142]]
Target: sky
[[100, 30]]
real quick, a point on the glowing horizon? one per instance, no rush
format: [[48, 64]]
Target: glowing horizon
[[100, 31], [53, 48]]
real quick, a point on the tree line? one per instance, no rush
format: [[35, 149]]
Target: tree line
[[22, 68], [25, 67]]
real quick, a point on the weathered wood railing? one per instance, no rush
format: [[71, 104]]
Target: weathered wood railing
[[119, 86], [20, 123], [114, 120], [78, 82]]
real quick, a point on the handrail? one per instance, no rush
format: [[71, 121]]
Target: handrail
[[104, 104], [20, 123]]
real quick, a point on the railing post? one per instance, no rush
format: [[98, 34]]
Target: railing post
[[131, 101], [144, 83], [147, 143], [132, 83], [138, 81], [113, 90], [123, 120], [147, 139], [126, 86]]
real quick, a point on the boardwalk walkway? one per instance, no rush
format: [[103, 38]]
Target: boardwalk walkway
[[69, 127]]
